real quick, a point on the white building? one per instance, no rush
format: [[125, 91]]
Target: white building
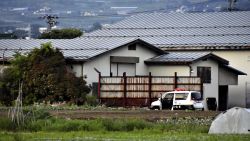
[[113, 56], [226, 34]]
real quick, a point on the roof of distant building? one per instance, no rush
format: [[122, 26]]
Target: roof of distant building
[[226, 30]]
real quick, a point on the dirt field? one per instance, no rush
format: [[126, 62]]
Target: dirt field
[[145, 114], [124, 113]]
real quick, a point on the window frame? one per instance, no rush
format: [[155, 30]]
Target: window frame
[[205, 73], [132, 47]]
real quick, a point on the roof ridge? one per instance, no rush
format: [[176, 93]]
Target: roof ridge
[[167, 27]]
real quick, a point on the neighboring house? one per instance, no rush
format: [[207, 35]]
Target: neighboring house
[[113, 56], [213, 70], [226, 34]]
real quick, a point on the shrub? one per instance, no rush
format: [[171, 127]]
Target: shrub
[[91, 100], [6, 124]]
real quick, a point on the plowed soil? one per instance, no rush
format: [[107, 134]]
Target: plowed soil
[[125, 113], [144, 114]]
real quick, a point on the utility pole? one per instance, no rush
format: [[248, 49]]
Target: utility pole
[[29, 31], [231, 4], [51, 21]]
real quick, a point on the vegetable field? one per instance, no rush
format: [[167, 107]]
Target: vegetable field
[[104, 124]]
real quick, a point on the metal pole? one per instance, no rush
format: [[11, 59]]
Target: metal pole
[[175, 80], [99, 86], [150, 88], [125, 89]]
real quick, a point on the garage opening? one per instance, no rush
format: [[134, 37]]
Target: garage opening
[[121, 64], [223, 98]]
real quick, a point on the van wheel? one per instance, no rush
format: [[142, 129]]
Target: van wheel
[[191, 107], [156, 108]]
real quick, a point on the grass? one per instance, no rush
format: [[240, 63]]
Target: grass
[[126, 125], [40, 126], [111, 129], [144, 135]]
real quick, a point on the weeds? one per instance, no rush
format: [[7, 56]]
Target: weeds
[[6, 124], [53, 124]]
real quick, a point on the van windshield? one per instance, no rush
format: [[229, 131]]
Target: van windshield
[[181, 96], [196, 96]]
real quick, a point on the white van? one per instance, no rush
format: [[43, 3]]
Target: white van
[[179, 100]]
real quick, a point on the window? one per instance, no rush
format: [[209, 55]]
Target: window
[[132, 47], [204, 73], [181, 96], [196, 96], [168, 96]]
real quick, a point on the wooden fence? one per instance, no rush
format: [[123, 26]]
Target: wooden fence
[[141, 90]]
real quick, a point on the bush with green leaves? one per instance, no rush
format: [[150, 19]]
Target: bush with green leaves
[[91, 100], [45, 77], [67, 33]]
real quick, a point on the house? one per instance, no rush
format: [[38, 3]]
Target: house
[[214, 71], [225, 34], [113, 56]]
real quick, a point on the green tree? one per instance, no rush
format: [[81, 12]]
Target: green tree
[[10, 78], [45, 77], [67, 33]]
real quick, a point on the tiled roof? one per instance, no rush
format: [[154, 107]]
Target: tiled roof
[[190, 57], [216, 31], [184, 20], [233, 70], [183, 29], [178, 57], [80, 48]]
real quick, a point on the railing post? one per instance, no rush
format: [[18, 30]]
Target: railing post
[[124, 90], [150, 88], [99, 86], [175, 80], [201, 88]]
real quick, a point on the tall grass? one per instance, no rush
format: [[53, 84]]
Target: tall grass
[[40, 120], [63, 125]]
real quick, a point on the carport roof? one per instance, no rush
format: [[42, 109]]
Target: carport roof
[[184, 58], [238, 72]]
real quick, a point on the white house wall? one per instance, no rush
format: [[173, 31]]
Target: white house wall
[[102, 63], [76, 69], [168, 70], [241, 61], [130, 69], [210, 89]]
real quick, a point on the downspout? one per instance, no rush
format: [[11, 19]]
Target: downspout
[[82, 70], [190, 70]]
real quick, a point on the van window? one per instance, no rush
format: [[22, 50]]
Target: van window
[[169, 96], [181, 96], [196, 96]]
